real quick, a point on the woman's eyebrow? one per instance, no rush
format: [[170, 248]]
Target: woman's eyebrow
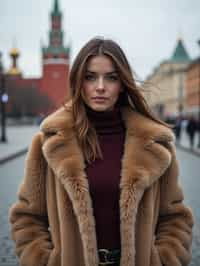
[[91, 72], [112, 72]]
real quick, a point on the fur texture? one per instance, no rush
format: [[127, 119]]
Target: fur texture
[[54, 213]]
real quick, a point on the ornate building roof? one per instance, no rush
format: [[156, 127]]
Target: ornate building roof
[[180, 54]]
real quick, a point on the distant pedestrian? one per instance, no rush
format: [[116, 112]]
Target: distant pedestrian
[[178, 128], [198, 125], [191, 129]]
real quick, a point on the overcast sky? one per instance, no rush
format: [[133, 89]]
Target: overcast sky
[[146, 30]]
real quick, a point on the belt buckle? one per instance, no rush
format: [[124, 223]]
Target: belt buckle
[[105, 252]]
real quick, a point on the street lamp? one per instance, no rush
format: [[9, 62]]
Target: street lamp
[[3, 100], [199, 98]]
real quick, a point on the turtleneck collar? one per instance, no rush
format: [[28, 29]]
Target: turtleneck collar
[[106, 122]]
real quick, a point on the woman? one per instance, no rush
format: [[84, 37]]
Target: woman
[[101, 184]]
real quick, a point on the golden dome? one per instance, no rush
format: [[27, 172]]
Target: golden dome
[[14, 52]]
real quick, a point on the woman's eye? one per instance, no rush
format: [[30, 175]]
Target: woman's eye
[[89, 77], [112, 78]]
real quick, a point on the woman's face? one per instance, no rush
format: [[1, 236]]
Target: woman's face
[[101, 85]]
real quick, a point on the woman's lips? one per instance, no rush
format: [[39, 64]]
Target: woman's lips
[[99, 99]]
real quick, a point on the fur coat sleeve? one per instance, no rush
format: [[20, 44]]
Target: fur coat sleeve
[[28, 217], [174, 229]]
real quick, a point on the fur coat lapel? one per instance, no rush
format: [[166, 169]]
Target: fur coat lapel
[[143, 162]]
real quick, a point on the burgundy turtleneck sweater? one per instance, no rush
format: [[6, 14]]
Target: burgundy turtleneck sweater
[[104, 176]]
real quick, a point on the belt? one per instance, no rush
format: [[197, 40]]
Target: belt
[[109, 257]]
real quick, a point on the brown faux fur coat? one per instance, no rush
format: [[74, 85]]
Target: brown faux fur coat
[[53, 224]]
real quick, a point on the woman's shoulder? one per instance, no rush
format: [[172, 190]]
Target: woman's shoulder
[[54, 124], [146, 128], [59, 120]]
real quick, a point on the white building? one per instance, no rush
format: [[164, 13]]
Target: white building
[[167, 83]]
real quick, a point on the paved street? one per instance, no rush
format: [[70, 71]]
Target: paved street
[[190, 180], [11, 174], [10, 177], [18, 139]]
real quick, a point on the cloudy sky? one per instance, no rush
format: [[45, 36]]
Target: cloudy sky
[[146, 30]]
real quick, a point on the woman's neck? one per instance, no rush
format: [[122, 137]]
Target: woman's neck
[[106, 122]]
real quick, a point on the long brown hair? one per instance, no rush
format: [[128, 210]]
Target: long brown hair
[[131, 95]]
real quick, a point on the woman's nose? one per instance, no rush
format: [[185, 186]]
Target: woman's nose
[[100, 84]]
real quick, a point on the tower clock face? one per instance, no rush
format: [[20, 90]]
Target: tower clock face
[[55, 74]]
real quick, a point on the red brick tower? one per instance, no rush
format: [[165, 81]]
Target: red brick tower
[[55, 62]]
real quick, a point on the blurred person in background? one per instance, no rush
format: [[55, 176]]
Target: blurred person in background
[[178, 128], [101, 178], [191, 129]]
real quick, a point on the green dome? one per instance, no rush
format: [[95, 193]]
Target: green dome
[[180, 55]]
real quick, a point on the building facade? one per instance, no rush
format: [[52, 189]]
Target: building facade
[[193, 88], [167, 83]]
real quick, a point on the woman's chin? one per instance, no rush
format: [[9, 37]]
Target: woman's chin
[[100, 108]]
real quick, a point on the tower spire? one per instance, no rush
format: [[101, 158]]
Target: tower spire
[[56, 6], [56, 9], [55, 63], [180, 53], [56, 46]]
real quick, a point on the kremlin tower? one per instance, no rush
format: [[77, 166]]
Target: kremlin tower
[[55, 61], [44, 94]]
